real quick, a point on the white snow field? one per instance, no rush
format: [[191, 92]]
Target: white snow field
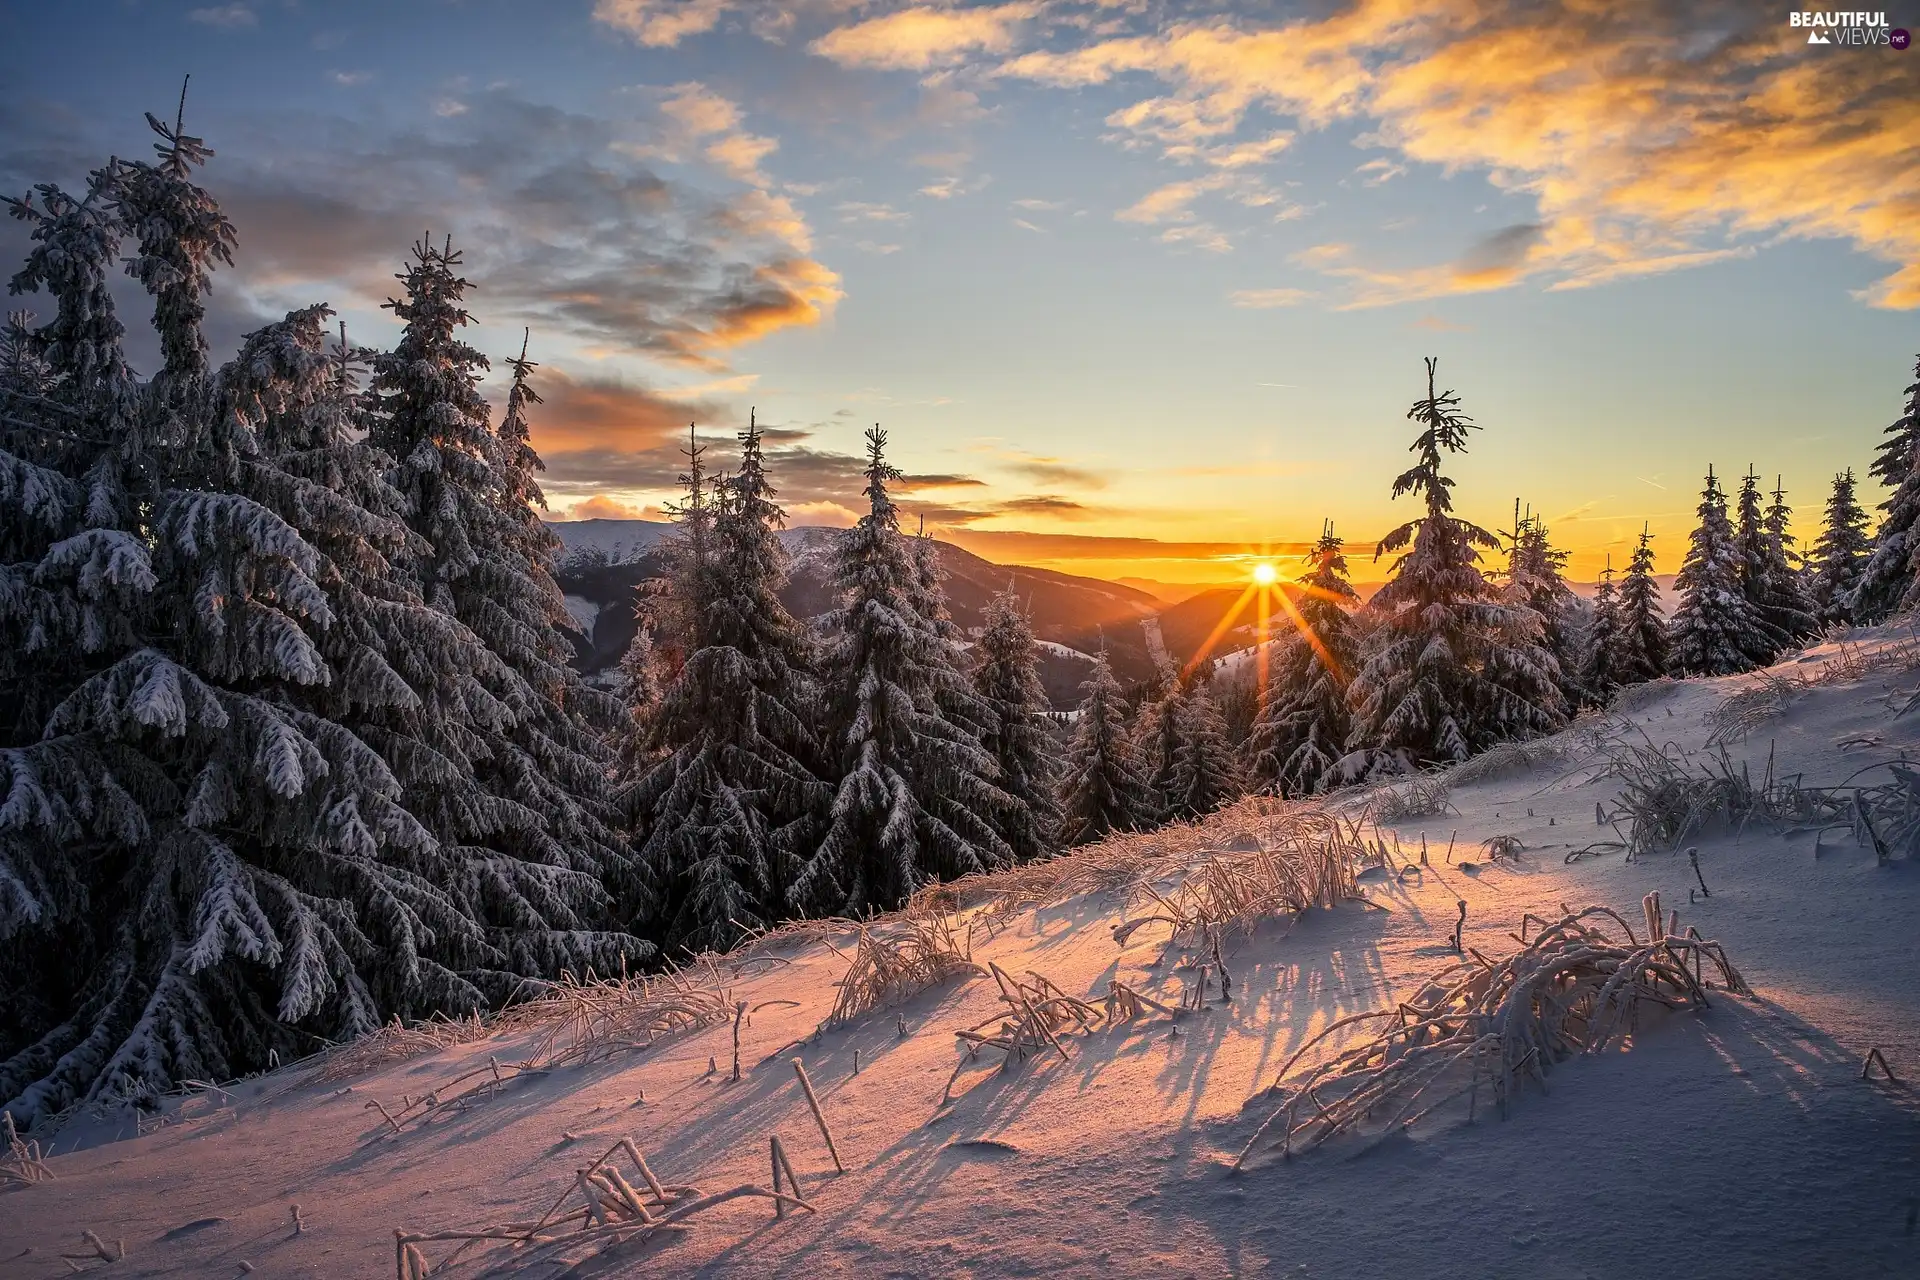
[[1737, 1140]]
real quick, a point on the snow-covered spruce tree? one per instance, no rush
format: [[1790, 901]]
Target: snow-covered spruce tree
[[1887, 580], [1715, 630], [538, 841], [1642, 651], [1206, 774], [1453, 668], [194, 856], [1156, 738], [1007, 679], [916, 800], [727, 813], [1301, 732], [1840, 556], [1600, 662], [1102, 787], [1536, 577], [1787, 569], [1766, 578]]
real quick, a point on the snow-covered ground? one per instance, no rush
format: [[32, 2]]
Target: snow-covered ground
[[1736, 1142]]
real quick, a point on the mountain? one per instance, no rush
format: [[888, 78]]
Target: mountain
[[606, 560]]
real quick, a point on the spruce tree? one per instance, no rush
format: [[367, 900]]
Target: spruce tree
[[1206, 774], [1840, 556], [1766, 572], [539, 837], [1715, 630], [1300, 734], [1102, 787], [1157, 738], [204, 841], [916, 800], [1007, 679], [1601, 661], [1642, 652], [1536, 577], [727, 813], [1454, 668], [1887, 580]]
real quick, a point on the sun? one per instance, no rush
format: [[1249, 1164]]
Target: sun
[[1265, 574]]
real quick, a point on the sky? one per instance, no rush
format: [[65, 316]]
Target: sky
[[1137, 289]]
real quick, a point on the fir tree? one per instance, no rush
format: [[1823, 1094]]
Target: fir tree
[[1840, 556], [1454, 669], [1886, 581], [1642, 652], [1600, 665], [727, 812], [1715, 630], [1301, 732], [916, 799], [1102, 787], [1007, 679]]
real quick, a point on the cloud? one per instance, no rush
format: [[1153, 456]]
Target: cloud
[[1650, 136], [923, 37], [1258, 299], [602, 507], [348, 79], [562, 230], [702, 122], [230, 17], [1500, 255], [1434, 324], [660, 24], [860, 211]]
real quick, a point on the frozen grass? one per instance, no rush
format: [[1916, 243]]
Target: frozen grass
[[1637, 697], [896, 960], [1567, 991], [1766, 697], [1423, 797], [395, 1042], [23, 1163], [1507, 757], [1038, 1013], [611, 1212], [1312, 864]]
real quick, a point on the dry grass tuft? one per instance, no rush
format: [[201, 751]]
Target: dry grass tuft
[[592, 1019], [395, 1042], [899, 959], [1665, 799], [24, 1164], [1638, 697], [1311, 864], [1569, 990], [1504, 758], [1038, 1014], [611, 1212], [1423, 797], [1767, 696]]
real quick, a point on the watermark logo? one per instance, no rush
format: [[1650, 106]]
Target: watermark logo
[[1899, 37], [1848, 28]]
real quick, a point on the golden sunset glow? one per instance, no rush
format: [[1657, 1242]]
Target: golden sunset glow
[[1265, 574]]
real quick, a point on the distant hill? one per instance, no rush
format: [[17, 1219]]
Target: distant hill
[[606, 560]]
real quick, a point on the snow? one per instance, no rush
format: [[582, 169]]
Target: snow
[[1738, 1142], [1065, 651], [620, 541], [583, 611]]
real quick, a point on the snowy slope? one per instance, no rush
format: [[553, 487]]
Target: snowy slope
[[1735, 1142]]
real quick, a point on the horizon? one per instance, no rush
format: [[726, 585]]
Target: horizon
[[1126, 309]]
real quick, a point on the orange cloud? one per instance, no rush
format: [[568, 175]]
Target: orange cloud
[[601, 507], [1649, 133], [922, 37], [660, 24]]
